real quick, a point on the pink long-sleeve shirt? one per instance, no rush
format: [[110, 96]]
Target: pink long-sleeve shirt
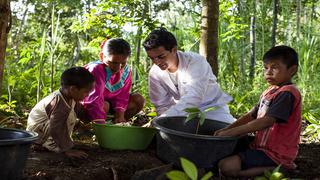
[[114, 88]]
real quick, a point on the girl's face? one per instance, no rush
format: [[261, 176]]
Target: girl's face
[[115, 61], [276, 72]]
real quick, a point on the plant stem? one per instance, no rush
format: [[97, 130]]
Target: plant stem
[[198, 126]]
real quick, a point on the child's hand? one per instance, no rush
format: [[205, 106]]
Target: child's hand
[[119, 120], [218, 132], [72, 153], [222, 133]]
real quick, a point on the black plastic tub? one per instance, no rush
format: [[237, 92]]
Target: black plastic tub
[[14, 150], [177, 139]]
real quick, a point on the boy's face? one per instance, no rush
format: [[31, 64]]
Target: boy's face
[[115, 61], [79, 94], [276, 72], [163, 58]]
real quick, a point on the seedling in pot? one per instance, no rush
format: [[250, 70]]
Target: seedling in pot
[[195, 113]]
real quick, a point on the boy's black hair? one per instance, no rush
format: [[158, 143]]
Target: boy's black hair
[[117, 46], [286, 54], [160, 37], [79, 77]]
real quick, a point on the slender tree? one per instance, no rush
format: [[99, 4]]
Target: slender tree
[[19, 32], [313, 12], [242, 63], [275, 21], [138, 51], [209, 32], [253, 41], [5, 25], [298, 18]]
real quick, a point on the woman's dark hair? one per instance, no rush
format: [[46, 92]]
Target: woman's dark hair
[[79, 77], [116, 46], [160, 37], [285, 54]]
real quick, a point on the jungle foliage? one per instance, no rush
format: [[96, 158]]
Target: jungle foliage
[[49, 36]]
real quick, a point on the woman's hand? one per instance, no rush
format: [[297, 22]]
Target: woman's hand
[[119, 117]]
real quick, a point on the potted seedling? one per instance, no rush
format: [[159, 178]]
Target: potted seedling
[[195, 113], [176, 138]]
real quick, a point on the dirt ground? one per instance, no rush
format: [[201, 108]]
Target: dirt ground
[[101, 164], [110, 164]]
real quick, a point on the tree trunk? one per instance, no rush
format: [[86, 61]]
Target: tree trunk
[[298, 19], [313, 12], [242, 60], [275, 21], [76, 52], [5, 25], [138, 51], [17, 36], [253, 42], [209, 33]]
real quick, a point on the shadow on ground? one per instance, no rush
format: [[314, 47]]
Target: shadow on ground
[[108, 164]]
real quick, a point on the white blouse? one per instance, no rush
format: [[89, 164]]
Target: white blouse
[[196, 87]]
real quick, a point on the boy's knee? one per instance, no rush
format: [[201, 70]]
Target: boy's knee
[[230, 166], [138, 100]]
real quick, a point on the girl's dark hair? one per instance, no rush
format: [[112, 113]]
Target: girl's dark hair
[[285, 54], [79, 77], [116, 46], [160, 37]]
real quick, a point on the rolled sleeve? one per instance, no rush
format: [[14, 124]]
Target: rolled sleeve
[[58, 128], [94, 103], [159, 96]]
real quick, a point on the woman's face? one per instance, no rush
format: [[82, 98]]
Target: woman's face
[[115, 61]]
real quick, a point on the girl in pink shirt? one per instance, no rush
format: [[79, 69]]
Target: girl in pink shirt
[[113, 84]]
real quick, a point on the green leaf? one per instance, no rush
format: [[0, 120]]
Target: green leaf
[[207, 176], [24, 60], [310, 117], [152, 114], [189, 168], [260, 178], [267, 174], [177, 175], [277, 169], [276, 176], [191, 116], [202, 118], [210, 109], [192, 110]]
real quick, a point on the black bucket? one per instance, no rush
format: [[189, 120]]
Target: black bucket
[[14, 150], [177, 139]]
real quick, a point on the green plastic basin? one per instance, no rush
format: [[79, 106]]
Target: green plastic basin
[[123, 137]]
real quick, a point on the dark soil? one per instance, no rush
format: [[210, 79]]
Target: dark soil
[[111, 164], [101, 164]]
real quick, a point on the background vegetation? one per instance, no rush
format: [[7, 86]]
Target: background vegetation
[[49, 36]]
